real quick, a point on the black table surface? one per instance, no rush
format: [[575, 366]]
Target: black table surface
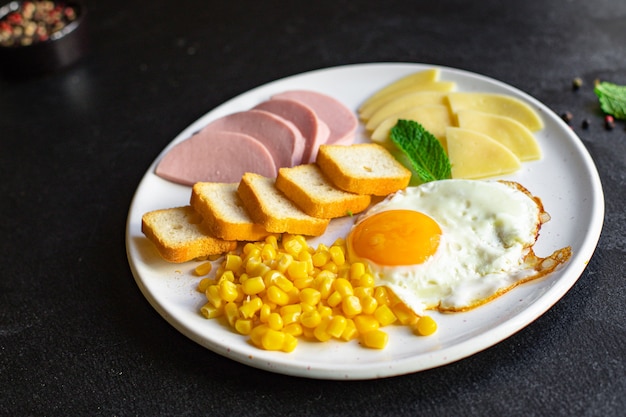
[[77, 337]]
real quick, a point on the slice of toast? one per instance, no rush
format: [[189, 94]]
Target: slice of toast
[[179, 237], [366, 168], [269, 207], [316, 195], [224, 213]]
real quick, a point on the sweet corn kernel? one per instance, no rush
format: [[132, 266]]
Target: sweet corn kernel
[[276, 295], [290, 313], [334, 299], [368, 304], [324, 284], [294, 295], [293, 245], [367, 280], [268, 253], [365, 323], [294, 329], [231, 311], [321, 331], [357, 269], [272, 240], [363, 292], [283, 283], [204, 284], [337, 326], [243, 326], [213, 296], [257, 334], [203, 269], [232, 262], [343, 287], [308, 333], [320, 258], [248, 247], [305, 282], [283, 263], [350, 332], [273, 339], [249, 307], [426, 326], [310, 296], [289, 343], [325, 311], [253, 286], [351, 306], [209, 311], [310, 319], [337, 255], [275, 321], [330, 267], [264, 312], [297, 270], [381, 295], [405, 315], [307, 307], [226, 276], [376, 339], [384, 315], [228, 290]]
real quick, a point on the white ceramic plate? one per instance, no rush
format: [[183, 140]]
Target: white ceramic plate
[[566, 179]]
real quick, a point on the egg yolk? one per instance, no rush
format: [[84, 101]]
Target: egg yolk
[[396, 237]]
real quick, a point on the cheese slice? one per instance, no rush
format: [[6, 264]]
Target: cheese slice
[[475, 155]]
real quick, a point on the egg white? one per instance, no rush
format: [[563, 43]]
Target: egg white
[[488, 228]]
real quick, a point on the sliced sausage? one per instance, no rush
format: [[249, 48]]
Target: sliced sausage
[[216, 156], [281, 138], [314, 131], [340, 120]]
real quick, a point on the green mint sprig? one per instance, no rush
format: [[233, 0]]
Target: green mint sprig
[[612, 99], [427, 157]]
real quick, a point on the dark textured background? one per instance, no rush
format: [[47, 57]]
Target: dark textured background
[[78, 338]]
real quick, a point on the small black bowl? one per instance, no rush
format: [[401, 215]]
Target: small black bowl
[[62, 49]]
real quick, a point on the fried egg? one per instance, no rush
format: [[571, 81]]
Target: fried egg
[[453, 244]]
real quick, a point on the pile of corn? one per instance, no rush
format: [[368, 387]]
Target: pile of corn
[[276, 292]]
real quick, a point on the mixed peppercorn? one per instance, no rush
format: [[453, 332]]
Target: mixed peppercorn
[[35, 21]]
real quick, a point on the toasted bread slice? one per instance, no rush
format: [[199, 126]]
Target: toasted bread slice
[[224, 213], [366, 168], [316, 195], [269, 207], [179, 237]]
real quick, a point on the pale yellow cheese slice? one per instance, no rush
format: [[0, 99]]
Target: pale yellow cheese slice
[[475, 155], [435, 119], [404, 103], [509, 132], [367, 110], [499, 104], [420, 77]]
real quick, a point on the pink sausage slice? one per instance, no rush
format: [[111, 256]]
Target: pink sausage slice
[[314, 131], [340, 120], [281, 138], [215, 156]]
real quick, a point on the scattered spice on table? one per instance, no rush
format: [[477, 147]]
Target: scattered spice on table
[[35, 21], [577, 83]]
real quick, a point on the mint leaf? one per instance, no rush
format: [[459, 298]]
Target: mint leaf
[[426, 155], [612, 99]]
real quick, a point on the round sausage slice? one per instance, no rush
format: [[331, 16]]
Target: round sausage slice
[[215, 156], [281, 138], [340, 120], [314, 131]]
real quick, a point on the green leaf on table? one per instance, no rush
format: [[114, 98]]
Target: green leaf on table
[[612, 99], [424, 151]]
